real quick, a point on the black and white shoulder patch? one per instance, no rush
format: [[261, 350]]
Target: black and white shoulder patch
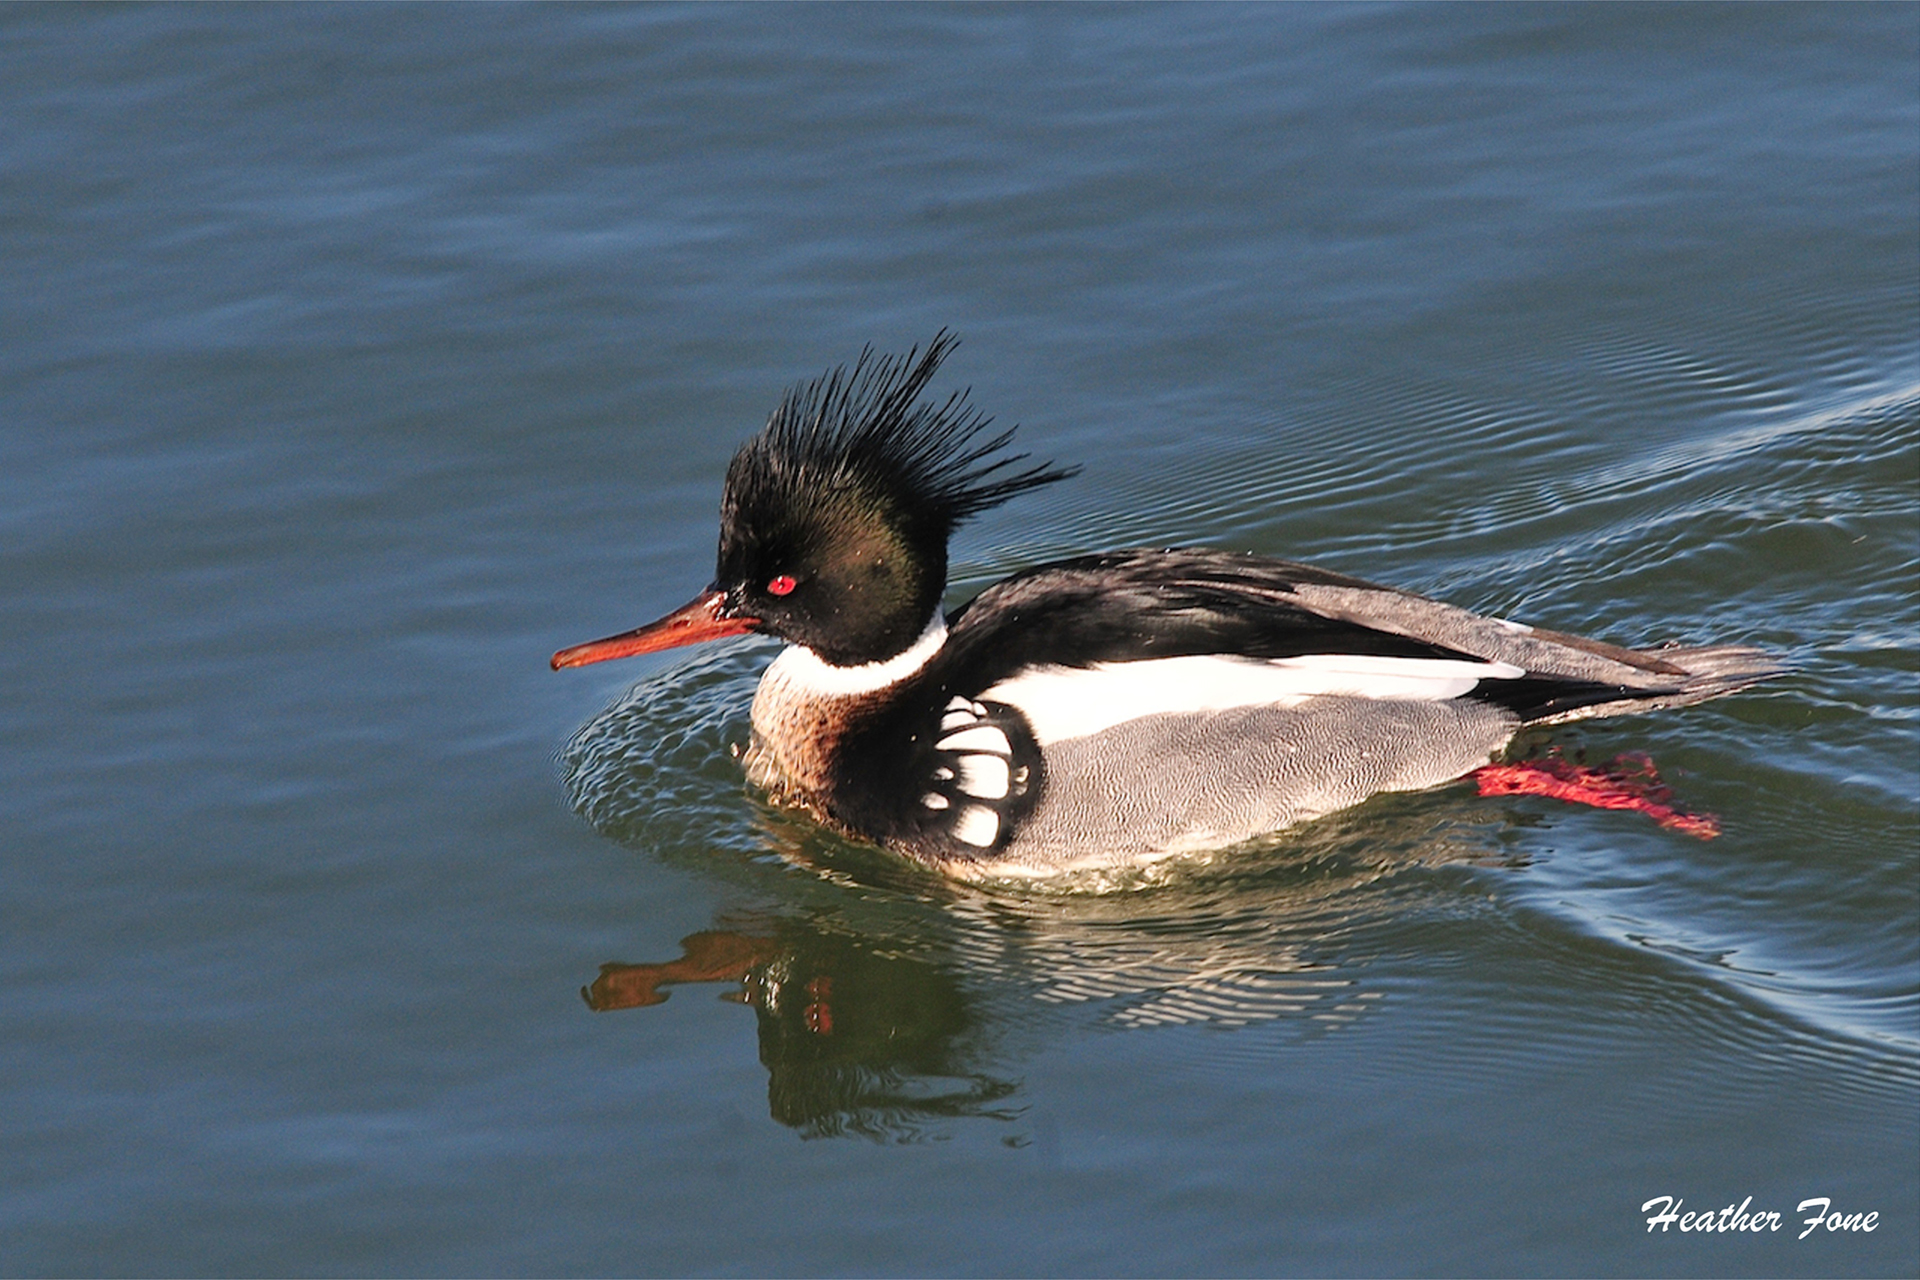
[[982, 774]]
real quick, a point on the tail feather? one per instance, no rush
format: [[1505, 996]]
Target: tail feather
[[1703, 673]]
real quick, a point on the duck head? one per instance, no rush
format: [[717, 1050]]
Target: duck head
[[835, 519]]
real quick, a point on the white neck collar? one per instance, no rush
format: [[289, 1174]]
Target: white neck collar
[[800, 666]]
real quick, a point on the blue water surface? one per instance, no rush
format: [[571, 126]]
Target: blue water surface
[[355, 358]]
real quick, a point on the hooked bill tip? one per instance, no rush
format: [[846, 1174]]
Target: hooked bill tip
[[702, 618]]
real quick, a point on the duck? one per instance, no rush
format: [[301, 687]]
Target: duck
[[1104, 711]]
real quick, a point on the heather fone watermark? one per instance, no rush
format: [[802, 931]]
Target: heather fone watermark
[[1670, 1211]]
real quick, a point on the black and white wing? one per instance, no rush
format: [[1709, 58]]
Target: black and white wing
[[1152, 631]]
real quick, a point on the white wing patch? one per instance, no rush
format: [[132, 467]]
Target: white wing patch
[[1073, 702], [985, 776], [979, 738], [979, 765], [977, 825]]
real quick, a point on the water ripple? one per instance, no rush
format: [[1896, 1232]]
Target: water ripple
[[1752, 947]]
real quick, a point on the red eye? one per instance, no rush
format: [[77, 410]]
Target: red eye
[[781, 586]]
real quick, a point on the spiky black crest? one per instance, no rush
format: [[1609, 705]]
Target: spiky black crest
[[866, 430]]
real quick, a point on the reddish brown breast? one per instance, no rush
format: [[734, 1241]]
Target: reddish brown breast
[[797, 733]]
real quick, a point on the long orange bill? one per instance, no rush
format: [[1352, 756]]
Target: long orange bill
[[700, 619]]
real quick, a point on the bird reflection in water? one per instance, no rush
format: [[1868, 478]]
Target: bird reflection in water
[[891, 1001], [889, 1014], [854, 1041]]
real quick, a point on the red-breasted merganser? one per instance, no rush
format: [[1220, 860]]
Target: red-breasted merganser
[[1106, 710]]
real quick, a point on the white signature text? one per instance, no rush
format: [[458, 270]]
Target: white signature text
[[1739, 1218]]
